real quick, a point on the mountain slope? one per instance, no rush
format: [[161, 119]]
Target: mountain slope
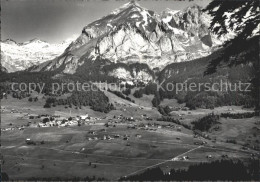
[[132, 34]]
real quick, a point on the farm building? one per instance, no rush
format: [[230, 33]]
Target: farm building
[[83, 117]]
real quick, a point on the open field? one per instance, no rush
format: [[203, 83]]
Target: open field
[[67, 152]]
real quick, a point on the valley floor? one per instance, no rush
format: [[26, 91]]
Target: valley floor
[[74, 151]]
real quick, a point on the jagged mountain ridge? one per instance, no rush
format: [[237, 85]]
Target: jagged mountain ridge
[[20, 56], [132, 34]]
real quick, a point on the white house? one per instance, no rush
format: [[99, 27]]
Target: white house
[[83, 117]]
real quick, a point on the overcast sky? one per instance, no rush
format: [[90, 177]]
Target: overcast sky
[[57, 20]]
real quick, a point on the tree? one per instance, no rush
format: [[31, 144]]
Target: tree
[[47, 105], [46, 120], [156, 100], [243, 19], [167, 110], [127, 91], [138, 93], [35, 99]]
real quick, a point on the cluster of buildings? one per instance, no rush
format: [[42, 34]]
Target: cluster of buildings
[[104, 137], [49, 121], [95, 136]]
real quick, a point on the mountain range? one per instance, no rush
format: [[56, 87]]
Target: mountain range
[[20, 56], [130, 43]]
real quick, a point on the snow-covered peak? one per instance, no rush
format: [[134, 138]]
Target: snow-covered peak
[[35, 43], [36, 40], [131, 16], [170, 11], [32, 41], [131, 4], [193, 7], [9, 41], [167, 14]]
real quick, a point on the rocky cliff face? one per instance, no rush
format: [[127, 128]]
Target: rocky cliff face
[[132, 34]]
